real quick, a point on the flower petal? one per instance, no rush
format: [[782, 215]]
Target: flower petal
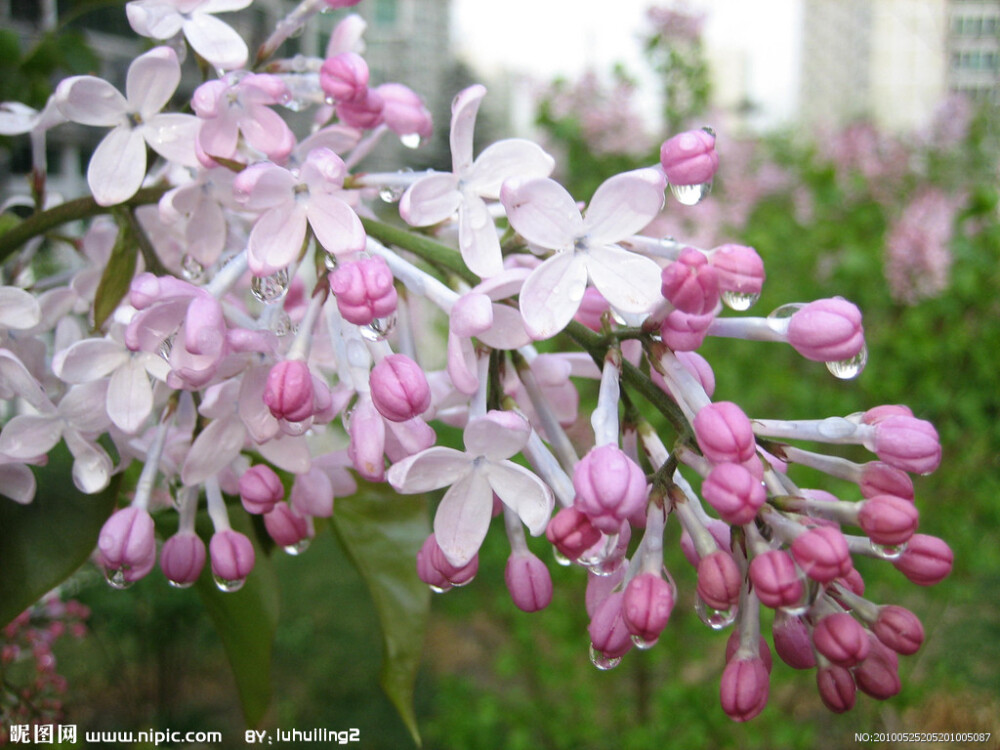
[[91, 465], [523, 492], [90, 101], [463, 518], [428, 470], [513, 157], [151, 81], [287, 452], [18, 308], [117, 166], [507, 331], [624, 204], [477, 238], [216, 446], [276, 238], [17, 482], [130, 396], [462, 364], [551, 295], [79, 407], [629, 282], [543, 212], [172, 136], [497, 435], [430, 200], [216, 41], [464, 109], [153, 18], [15, 380], [30, 435], [335, 224]]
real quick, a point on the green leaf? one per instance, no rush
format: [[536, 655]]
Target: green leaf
[[117, 274], [246, 621], [44, 542], [382, 533]]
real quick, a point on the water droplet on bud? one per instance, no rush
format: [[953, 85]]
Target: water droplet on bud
[[411, 140], [691, 195], [181, 584], [560, 558], [166, 346], [785, 311], [889, 551], [378, 329], [439, 589], [848, 369], [391, 193], [602, 661], [715, 619], [282, 325], [298, 548], [271, 288], [191, 269], [739, 301], [642, 644], [116, 578], [229, 586]]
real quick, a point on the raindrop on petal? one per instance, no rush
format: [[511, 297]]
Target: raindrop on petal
[[889, 551], [602, 661], [117, 579], [739, 301], [271, 288], [715, 619], [691, 195], [298, 548], [191, 269], [848, 369], [229, 586]]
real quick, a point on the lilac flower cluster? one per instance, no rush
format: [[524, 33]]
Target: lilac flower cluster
[[276, 341]]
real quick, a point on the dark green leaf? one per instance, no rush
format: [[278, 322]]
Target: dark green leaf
[[382, 533], [246, 621], [44, 542], [117, 274]]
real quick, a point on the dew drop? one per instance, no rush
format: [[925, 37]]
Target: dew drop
[[117, 579], [378, 329], [848, 369], [642, 644], [329, 101], [271, 288], [391, 193], [439, 589], [229, 586], [411, 140], [739, 301], [796, 610], [330, 262], [602, 661], [282, 325], [181, 584], [191, 269], [785, 311], [560, 558], [836, 428], [715, 619], [889, 551], [691, 195], [298, 548], [166, 346]]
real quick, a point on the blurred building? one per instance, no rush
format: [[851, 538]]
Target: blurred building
[[894, 61]]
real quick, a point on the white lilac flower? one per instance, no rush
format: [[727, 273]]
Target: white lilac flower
[[545, 214], [118, 165], [214, 40], [438, 197], [463, 517]]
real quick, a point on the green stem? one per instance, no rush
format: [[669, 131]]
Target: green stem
[[433, 252], [82, 208]]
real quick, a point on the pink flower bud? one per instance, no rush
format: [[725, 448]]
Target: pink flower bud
[[365, 290], [719, 580], [888, 520], [841, 639], [739, 269], [404, 111], [683, 332], [182, 558], [878, 675], [763, 650], [260, 489], [689, 158], [427, 571], [822, 553], [285, 526], [926, 560], [289, 391], [599, 587], [127, 545], [734, 492], [364, 113], [744, 689], [792, 641], [592, 309], [836, 688], [232, 555], [528, 581], [899, 629], [724, 433], [453, 574], [853, 582], [607, 629], [719, 530], [775, 579], [690, 283], [827, 330], [878, 413], [647, 605], [344, 77], [571, 532], [609, 486], [341, 3], [879, 478], [312, 494], [908, 443], [399, 388], [694, 363]]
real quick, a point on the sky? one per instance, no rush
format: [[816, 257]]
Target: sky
[[548, 38]]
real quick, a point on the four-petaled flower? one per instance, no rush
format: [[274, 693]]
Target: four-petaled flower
[[463, 517], [214, 40]]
